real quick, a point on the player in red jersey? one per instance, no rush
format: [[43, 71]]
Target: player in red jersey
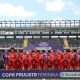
[[37, 54], [40, 54], [52, 55], [18, 61], [69, 54], [34, 63], [23, 58], [12, 59], [42, 63], [78, 62], [59, 54], [22, 55], [26, 63], [65, 64], [73, 62], [64, 53], [56, 63], [29, 53], [48, 64], [30, 57]]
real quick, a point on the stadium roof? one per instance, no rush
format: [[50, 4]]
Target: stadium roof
[[40, 23]]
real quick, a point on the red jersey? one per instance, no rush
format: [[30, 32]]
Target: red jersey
[[18, 64], [73, 63], [65, 64], [69, 55], [12, 60], [25, 64], [51, 55], [41, 55], [37, 55], [18, 61], [49, 64], [23, 56], [56, 64], [60, 56], [34, 64], [12, 56], [42, 63], [30, 57], [11, 64]]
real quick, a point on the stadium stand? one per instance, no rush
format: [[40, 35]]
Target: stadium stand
[[8, 43], [20, 34], [73, 42]]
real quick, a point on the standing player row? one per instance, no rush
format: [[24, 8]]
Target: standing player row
[[43, 61]]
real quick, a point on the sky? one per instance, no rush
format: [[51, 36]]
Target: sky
[[39, 9]]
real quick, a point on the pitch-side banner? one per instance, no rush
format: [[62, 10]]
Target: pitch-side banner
[[39, 74]]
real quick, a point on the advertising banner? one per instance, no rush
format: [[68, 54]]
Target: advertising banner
[[44, 46], [39, 74]]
